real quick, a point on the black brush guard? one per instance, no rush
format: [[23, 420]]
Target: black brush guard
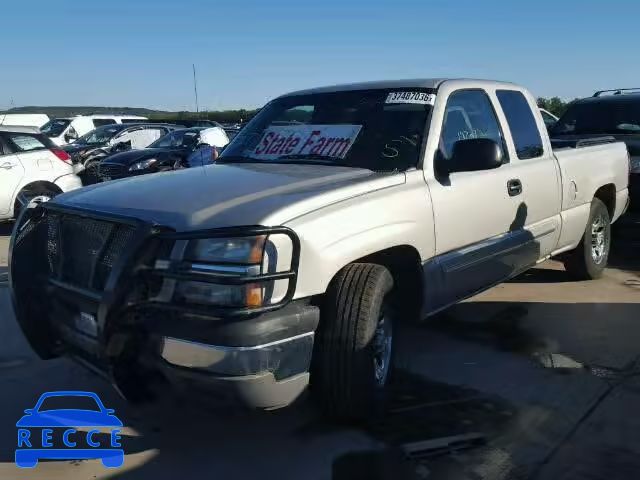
[[65, 260]]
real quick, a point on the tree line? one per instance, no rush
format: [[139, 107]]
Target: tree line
[[555, 105]]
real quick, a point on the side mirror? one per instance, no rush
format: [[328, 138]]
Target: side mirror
[[29, 411], [70, 137], [475, 154]]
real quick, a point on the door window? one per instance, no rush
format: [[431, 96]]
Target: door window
[[468, 115], [25, 142], [141, 137], [99, 122], [524, 130], [4, 148]]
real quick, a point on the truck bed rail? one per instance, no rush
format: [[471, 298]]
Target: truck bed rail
[[559, 143]]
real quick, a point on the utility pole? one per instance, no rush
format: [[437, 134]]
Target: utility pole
[[195, 87]]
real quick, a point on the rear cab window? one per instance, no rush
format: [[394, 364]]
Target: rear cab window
[[522, 123]]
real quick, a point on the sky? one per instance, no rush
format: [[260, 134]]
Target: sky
[[139, 53]]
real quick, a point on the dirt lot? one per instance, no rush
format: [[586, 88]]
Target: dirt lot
[[543, 369]]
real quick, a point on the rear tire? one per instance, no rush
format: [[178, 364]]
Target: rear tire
[[589, 259], [354, 344]]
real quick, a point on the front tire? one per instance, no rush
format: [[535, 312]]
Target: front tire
[[354, 344], [589, 259]]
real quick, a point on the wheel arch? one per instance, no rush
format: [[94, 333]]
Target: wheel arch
[[607, 194], [405, 265], [43, 184]]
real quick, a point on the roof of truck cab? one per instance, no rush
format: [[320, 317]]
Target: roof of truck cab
[[433, 83]]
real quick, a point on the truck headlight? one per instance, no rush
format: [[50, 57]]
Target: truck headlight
[[239, 256], [142, 165], [248, 295], [243, 272], [242, 250]]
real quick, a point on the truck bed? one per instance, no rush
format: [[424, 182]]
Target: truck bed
[[585, 168], [562, 143]]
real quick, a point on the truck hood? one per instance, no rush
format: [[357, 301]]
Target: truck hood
[[229, 195]]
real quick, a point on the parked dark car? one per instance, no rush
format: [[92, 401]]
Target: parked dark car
[[90, 149], [175, 150], [614, 113]]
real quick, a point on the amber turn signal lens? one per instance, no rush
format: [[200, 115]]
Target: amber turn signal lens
[[255, 256], [254, 295]]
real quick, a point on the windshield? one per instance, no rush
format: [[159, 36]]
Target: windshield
[[620, 116], [379, 130], [55, 127], [177, 139], [100, 135]]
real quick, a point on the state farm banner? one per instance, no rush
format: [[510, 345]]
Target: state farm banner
[[326, 140]]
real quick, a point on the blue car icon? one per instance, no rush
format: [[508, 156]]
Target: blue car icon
[[31, 448]]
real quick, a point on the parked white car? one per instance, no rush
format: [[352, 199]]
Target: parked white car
[[32, 170], [62, 131], [23, 119]]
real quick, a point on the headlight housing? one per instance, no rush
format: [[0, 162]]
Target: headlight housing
[[226, 256], [142, 165], [235, 272], [243, 250]]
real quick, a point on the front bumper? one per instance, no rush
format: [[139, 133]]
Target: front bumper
[[238, 363], [264, 376], [120, 318], [68, 182]]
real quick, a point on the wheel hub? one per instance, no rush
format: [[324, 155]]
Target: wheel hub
[[382, 342], [599, 240], [35, 201]]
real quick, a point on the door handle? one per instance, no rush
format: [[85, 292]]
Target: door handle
[[7, 165], [514, 187]]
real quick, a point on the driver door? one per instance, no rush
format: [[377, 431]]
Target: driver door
[[478, 222]]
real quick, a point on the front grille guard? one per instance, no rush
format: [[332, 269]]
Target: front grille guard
[[176, 272], [127, 267]]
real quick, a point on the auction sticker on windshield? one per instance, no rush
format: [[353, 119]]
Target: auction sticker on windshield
[[420, 98], [325, 140]]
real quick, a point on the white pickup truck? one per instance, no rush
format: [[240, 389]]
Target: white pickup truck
[[335, 213]]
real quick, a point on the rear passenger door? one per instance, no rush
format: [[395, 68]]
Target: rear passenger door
[[535, 167]]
